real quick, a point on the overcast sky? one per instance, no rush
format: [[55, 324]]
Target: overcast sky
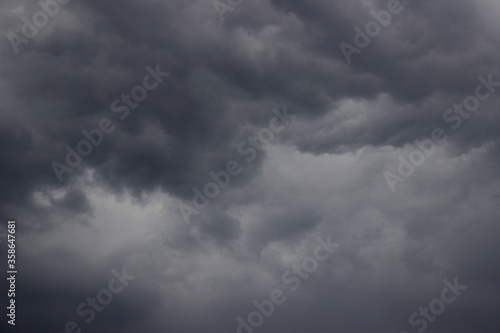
[[231, 142]]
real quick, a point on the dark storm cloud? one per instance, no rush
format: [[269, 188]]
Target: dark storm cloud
[[193, 107], [320, 176]]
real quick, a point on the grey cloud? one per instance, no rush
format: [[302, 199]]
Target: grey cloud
[[322, 175]]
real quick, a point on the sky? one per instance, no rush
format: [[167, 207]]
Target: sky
[[250, 166]]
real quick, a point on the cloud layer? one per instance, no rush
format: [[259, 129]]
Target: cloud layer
[[323, 175]]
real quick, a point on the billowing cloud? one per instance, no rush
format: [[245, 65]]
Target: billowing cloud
[[149, 140]]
